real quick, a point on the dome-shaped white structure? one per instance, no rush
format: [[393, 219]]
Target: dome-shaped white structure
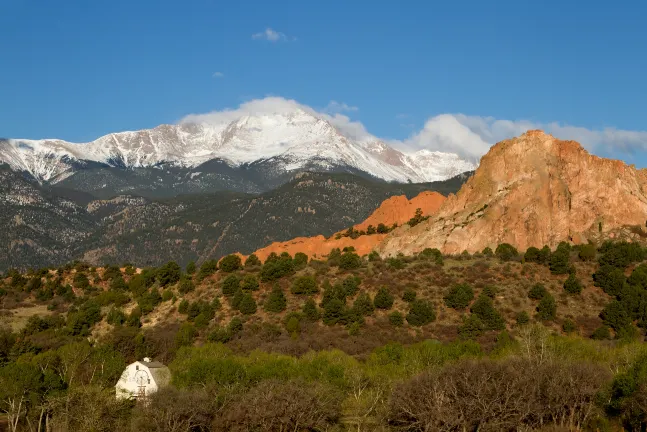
[[142, 378]]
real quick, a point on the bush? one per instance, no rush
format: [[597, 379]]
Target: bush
[[186, 285], [522, 318], [409, 295], [433, 254], [615, 316], [207, 268], [587, 252], [489, 291], [183, 308], [601, 333], [537, 292], [363, 306], [621, 254], [276, 301], [471, 328], [247, 305], [349, 261], [169, 273], [569, 326], [421, 313], [252, 261], [350, 285], [190, 268], [310, 311], [333, 312], [396, 319], [304, 285], [611, 279], [300, 260], [116, 317], [274, 269], [572, 285], [230, 263], [236, 299], [483, 308], [488, 251], [80, 281], [547, 308], [118, 284], [250, 283], [560, 261], [383, 299], [230, 285], [374, 256], [459, 296], [506, 252]]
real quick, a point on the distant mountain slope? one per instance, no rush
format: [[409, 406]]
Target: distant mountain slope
[[282, 142], [43, 225], [534, 190]]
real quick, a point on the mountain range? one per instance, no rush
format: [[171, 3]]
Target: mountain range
[[248, 153]]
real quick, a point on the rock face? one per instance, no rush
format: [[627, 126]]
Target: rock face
[[533, 190], [397, 209]]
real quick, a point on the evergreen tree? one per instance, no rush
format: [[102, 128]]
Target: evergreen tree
[[383, 299], [304, 285], [276, 301], [547, 308], [537, 292], [349, 261], [186, 285], [250, 283], [300, 260], [230, 263], [420, 313], [236, 299], [459, 296], [471, 328], [310, 311], [247, 305], [333, 312], [506, 252], [252, 261], [230, 285], [363, 305], [396, 319], [190, 268], [483, 308], [572, 285], [169, 273], [409, 295]]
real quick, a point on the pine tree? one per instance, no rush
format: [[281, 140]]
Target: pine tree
[[383, 299], [276, 301]]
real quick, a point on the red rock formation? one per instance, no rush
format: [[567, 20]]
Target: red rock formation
[[397, 209], [533, 190]]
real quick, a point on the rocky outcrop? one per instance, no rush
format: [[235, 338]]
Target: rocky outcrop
[[397, 209], [533, 190]]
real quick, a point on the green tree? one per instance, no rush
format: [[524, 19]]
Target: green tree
[[300, 260], [310, 311], [236, 299], [537, 292], [420, 313], [587, 252], [252, 261], [374, 256], [611, 279], [488, 251], [207, 268], [506, 252], [459, 296], [350, 285], [568, 326], [383, 299], [230, 285], [396, 319], [363, 305], [186, 285], [118, 284], [349, 261], [333, 312], [116, 316], [274, 269], [250, 283], [230, 263], [491, 319], [572, 285], [169, 274], [276, 301], [80, 281], [183, 307], [471, 328], [382, 229], [522, 318], [20, 384], [304, 285], [247, 305], [601, 333], [190, 268], [560, 261], [409, 295], [185, 335], [547, 308], [615, 316]]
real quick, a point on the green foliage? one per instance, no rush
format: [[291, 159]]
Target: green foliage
[[300, 260], [336, 291], [611, 279], [169, 274], [374, 256], [572, 285], [615, 315], [116, 316], [587, 252], [382, 229], [396, 319], [490, 291], [79, 322], [433, 254], [276, 301], [409, 295], [186, 285], [334, 311], [274, 269], [601, 333], [252, 261], [537, 292], [506, 252], [250, 283], [230, 285], [304, 285], [363, 305], [538, 256], [547, 308], [80, 281], [183, 307], [621, 254], [560, 261], [491, 319], [351, 284], [417, 218], [471, 328], [247, 305], [191, 268], [383, 299], [459, 296], [118, 284], [167, 295], [522, 318], [110, 272], [395, 263], [568, 326], [310, 311], [207, 268], [230, 263], [185, 335], [349, 261], [488, 251], [236, 299], [421, 312]]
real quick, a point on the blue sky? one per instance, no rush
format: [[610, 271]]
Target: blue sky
[[79, 69]]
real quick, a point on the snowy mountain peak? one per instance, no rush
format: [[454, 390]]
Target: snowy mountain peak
[[293, 135]]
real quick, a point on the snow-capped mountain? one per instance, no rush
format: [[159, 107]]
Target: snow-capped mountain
[[294, 139]]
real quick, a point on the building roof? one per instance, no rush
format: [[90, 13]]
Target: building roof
[[152, 364]]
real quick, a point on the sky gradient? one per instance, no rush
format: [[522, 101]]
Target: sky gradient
[[77, 70]]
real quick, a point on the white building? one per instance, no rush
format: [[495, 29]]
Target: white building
[[142, 378]]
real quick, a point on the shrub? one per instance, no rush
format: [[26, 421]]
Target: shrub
[[230, 263], [250, 283], [489, 291], [471, 328], [333, 312], [569, 326], [349, 261], [252, 261], [483, 308], [383, 299], [506, 252], [351, 285], [116, 317], [621, 254], [183, 307], [587, 252], [611, 279], [409, 295], [80, 281], [396, 319], [247, 305], [304, 285], [186, 285], [547, 308], [615, 316], [169, 273], [207, 268], [601, 333], [363, 305], [190, 268], [300, 260], [118, 284], [488, 252], [433, 254], [167, 295], [537, 292], [310, 311], [374, 256], [522, 318], [274, 269], [236, 299], [230, 285], [420, 313], [572, 285], [560, 261], [396, 263], [459, 296], [276, 301]]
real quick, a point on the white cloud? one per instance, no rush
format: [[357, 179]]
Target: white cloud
[[337, 107], [468, 136], [218, 75], [271, 35]]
